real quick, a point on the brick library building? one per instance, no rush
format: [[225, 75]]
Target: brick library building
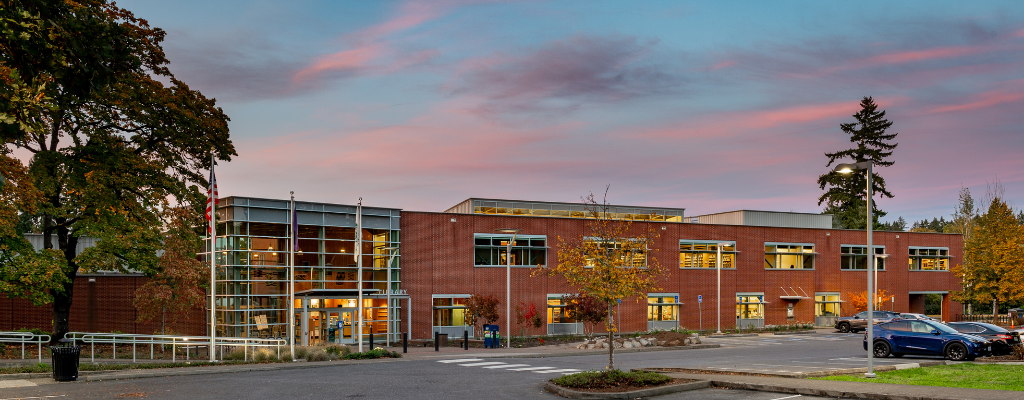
[[419, 268]]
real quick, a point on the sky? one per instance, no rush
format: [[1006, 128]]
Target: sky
[[710, 106]]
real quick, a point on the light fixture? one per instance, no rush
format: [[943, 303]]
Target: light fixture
[[664, 228], [92, 280], [453, 219]]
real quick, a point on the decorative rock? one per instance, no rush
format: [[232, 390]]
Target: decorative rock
[[590, 346], [644, 342], [673, 343]]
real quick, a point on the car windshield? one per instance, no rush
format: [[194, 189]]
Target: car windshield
[[942, 328]]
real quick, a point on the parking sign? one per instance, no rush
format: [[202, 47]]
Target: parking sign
[[700, 299]]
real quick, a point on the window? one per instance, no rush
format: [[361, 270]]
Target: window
[[527, 250], [450, 310], [703, 254], [902, 326], [637, 258], [826, 304], [662, 307], [854, 257], [750, 306], [556, 311], [788, 256], [929, 259]]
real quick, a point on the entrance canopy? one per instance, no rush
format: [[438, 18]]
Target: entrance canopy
[[349, 293]]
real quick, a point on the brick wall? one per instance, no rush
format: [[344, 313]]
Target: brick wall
[[102, 306], [437, 258]]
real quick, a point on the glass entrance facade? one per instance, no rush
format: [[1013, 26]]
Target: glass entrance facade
[[251, 255]]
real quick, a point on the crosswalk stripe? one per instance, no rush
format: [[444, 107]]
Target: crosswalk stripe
[[460, 360], [531, 369], [480, 364], [552, 371], [507, 366]]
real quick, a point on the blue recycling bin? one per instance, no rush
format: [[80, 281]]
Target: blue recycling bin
[[491, 336]]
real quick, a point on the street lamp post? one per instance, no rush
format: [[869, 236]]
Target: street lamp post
[[846, 169], [508, 279], [391, 259], [718, 267]]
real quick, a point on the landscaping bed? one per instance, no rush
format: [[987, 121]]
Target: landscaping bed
[[614, 381]]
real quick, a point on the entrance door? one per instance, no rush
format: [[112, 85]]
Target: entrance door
[[345, 335]]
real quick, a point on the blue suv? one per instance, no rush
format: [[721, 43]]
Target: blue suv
[[928, 338]]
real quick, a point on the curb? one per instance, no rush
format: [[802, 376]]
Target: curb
[[186, 371], [800, 375], [656, 391], [733, 335], [599, 352], [795, 333]]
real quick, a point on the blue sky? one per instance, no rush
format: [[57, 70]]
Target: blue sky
[[710, 106]]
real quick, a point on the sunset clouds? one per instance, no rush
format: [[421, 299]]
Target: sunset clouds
[[419, 105]]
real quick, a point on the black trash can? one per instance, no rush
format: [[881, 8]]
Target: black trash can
[[65, 360]]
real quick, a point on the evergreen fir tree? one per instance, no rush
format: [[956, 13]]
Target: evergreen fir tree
[[845, 193]]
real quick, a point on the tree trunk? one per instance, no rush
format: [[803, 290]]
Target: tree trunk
[[611, 340], [995, 312], [67, 244]]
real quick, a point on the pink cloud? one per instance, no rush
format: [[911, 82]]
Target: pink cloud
[[348, 60], [723, 64], [985, 100]]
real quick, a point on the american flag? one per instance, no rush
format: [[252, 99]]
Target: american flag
[[211, 198]]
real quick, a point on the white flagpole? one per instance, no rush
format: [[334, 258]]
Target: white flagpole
[[213, 263], [359, 268], [291, 275]]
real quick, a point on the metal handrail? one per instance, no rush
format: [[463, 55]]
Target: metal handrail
[[26, 338], [174, 341]]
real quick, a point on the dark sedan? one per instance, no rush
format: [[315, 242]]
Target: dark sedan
[[1002, 339], [928, 338]]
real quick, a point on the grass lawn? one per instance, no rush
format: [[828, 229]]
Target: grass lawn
[[966, 375]]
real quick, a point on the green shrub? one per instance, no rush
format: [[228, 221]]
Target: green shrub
[[35, 331], [375, 353], [611, 378], [338, 351], [235, 355]]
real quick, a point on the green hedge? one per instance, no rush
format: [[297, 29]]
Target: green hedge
[[612, 378]]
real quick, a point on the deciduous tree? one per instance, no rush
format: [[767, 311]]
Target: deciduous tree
[[859, 301], [481, 308], [24, 272], [586, 309], [111, 132], [178, 284], [991, 270], [846, 196], [613, 261], [525, 313]]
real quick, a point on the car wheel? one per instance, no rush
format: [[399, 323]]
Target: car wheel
[[844, 328], [897, 355], [881, 349], [957, 352]]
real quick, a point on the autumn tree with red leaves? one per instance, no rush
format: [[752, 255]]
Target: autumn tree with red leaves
[[586, 309], [180, 283]]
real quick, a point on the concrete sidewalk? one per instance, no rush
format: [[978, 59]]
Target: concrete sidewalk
[[838, 389]]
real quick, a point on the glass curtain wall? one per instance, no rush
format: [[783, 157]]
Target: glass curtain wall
[[252, 271]]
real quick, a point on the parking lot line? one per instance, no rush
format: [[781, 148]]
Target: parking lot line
[[480, 364], [460, 360], [507, 366]]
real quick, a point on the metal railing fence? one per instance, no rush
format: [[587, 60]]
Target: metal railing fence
[[174, 341], [26, 338], [1002, 319]]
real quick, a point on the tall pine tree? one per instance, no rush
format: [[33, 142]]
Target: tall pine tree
[[845, 195]]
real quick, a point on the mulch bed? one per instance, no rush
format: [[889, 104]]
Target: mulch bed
[[630, 388]]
